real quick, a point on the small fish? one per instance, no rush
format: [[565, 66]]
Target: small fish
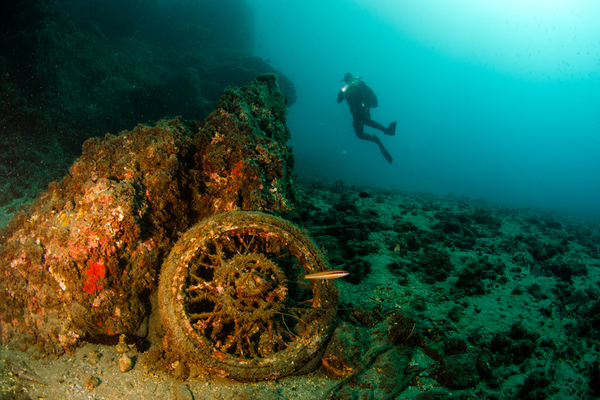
[[336, 273], [537, 270], [397, 248], [364, 195]]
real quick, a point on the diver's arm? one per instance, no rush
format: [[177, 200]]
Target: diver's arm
[[340, 96]]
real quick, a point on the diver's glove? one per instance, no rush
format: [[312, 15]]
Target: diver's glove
[[340, 96]]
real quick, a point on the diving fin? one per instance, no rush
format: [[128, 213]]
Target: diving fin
[[391, 130], [385, 153]]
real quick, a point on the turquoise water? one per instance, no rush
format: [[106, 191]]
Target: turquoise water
[[495, 100]]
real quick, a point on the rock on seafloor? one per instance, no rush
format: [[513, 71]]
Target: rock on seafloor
[[89, 250]]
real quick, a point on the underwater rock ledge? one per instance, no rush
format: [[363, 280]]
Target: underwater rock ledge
[[84, 259]]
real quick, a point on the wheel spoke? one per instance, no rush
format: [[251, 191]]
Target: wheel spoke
[[240, 295]]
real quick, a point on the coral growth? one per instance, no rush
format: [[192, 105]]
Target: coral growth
[[94, 273], [251, 119], [98, 237]]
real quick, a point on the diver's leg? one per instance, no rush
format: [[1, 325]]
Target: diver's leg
[[369, 122], [390, 130], [359, 128], [375, 124]]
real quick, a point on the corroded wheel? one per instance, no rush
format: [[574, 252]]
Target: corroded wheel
[[231, 298]]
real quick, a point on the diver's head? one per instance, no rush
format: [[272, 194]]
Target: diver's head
[[348, 80]]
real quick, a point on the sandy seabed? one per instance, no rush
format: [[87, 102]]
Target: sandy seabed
[[505, 303]]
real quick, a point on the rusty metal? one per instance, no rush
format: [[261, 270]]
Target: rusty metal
[[231, 298]]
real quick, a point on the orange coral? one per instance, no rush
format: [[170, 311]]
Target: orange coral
[[95, 272], [237, 169]]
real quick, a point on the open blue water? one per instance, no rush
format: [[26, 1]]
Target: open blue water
[[497, 99]]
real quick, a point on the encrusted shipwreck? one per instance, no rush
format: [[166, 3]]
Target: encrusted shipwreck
[[85, 257]]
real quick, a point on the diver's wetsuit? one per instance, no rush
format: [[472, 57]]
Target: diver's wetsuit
[[361, 116]]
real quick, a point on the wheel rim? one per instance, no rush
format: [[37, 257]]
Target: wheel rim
[[231, 299]]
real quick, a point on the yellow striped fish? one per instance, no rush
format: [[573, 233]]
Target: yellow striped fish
[[334, 274]]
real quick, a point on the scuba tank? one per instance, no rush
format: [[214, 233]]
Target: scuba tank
[[360, 91]]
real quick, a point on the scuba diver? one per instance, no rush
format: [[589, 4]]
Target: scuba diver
[[361, 99]]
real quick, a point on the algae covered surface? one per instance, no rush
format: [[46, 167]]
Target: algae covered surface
[[445, 289]]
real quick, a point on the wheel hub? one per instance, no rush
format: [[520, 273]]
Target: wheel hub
[[257, 288]]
